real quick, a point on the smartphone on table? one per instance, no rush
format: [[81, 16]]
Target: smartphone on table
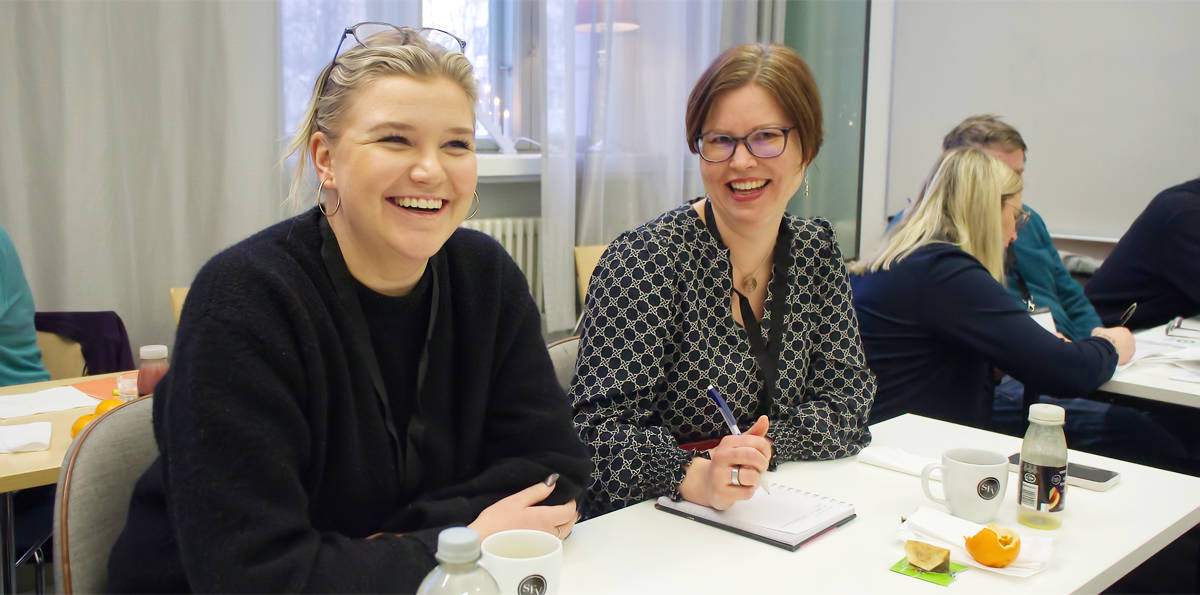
[[1078, 474]]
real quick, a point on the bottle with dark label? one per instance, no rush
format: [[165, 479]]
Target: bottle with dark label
[[1043, 471]]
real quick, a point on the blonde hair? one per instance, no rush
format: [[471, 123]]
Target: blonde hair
[[962, 207], [402, 52]]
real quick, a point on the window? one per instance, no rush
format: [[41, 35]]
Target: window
[[309, 31]]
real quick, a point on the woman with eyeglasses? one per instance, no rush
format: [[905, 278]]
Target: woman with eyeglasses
[[348, 382], [728, 292], [935, 317]]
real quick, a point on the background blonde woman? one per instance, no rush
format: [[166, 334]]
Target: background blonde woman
[[348, 382], [935, 317]]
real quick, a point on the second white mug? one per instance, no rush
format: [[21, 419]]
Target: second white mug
[[523, 561], [973, 482]]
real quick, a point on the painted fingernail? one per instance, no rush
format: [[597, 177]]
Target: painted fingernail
[[551, 479]]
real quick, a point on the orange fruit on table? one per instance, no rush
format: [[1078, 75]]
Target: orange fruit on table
[[80, 423], [994, 546], [107, 404]]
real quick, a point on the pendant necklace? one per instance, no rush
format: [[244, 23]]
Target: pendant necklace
[[750, 282]]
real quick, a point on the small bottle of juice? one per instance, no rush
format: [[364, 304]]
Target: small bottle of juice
[[154, 366], [1043, 471]]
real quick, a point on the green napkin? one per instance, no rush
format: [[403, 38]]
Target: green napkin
[[937, 578]]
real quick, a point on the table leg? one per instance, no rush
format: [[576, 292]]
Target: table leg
[[8, 550]]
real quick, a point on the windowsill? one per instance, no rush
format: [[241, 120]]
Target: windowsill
[[500, 167]]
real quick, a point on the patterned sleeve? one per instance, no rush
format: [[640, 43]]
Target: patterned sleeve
[[626, 338], [830, 421]]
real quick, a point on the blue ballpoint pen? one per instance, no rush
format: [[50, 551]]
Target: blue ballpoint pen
[[729, 420]]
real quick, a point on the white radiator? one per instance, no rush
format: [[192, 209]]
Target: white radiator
[[522, 237]]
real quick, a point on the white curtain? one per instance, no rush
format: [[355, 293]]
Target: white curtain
[[141, 137], [616, 156]]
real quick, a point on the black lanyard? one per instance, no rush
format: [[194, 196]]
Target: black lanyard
[[407, 459], [766, 355], [1010, 264]]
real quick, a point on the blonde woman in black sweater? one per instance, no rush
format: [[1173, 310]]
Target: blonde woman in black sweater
[[349, 382]]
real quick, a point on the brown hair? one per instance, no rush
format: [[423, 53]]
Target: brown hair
[[777, 69], [982, 131]]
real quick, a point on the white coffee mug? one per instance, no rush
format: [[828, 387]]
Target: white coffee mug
[[973, 482], [523, 561]]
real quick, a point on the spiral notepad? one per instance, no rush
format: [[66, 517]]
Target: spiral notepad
[[787, 517]]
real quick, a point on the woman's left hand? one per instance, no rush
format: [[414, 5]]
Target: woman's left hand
[[519, 511]]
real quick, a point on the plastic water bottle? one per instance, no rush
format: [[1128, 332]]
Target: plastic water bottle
[[458, 571], [1043, 469]]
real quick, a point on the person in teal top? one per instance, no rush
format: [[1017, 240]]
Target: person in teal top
[[1041, 276], [20, 358]]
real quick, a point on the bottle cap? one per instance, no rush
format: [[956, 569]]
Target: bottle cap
[[1046, 413], [153, 352], [458, 544]]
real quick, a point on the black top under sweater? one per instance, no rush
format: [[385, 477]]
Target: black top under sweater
[[280, 454], [396, 324]]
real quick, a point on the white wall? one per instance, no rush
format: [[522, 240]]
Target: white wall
[[1106, 94]]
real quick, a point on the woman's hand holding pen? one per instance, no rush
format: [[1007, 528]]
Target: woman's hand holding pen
[[1121, 338], [519, 511], [709, 482]]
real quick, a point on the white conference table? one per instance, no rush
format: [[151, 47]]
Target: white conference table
[[1104, 535], [1152, 379]]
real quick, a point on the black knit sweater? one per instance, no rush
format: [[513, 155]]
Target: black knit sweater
[[279, 455]]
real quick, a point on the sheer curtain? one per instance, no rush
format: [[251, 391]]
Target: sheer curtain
[[308, 33], [615, 98], [141, 137]]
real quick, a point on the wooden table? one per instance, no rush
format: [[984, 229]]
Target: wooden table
[[1104, 534], [19, 471]]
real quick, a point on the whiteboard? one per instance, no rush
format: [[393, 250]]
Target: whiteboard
[[1106, 94]]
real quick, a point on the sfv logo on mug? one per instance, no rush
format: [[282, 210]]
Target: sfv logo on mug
[[988, 488]]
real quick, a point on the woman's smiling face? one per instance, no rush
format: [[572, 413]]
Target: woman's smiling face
[[745, 190], [403, 166]]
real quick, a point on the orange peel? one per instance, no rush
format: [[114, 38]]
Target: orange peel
[[994, 546]]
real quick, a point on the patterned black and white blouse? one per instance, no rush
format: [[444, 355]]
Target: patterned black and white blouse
[[658, 329]]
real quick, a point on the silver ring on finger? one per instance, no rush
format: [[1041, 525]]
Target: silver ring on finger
[[733, 475]]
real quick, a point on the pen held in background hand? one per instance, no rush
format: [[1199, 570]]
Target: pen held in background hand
[[1125, 316], [730, 421]]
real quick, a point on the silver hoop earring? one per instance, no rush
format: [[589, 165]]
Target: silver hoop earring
[[321, 205], [476, 205]]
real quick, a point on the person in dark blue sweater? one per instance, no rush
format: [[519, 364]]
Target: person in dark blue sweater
[[1156, 264], [1034, 271], [935, 317]]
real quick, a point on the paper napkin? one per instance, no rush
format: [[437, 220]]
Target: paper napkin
[[938, 528], [51, 399], [25, 437], [897, 459]]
